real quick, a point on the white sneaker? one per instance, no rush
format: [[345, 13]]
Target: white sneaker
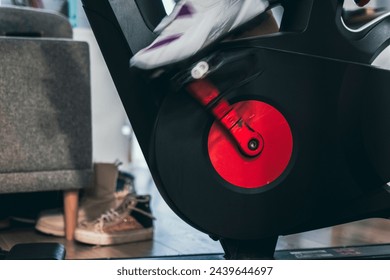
[[193, 25]]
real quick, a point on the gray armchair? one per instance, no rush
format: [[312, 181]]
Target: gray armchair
[[45, 107]]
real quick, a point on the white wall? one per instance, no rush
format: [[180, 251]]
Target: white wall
[[108, 114]]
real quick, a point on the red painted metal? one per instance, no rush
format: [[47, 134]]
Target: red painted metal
[[252, 172], [248, 140]]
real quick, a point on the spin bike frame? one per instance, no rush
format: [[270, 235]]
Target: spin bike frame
[[315, 71]]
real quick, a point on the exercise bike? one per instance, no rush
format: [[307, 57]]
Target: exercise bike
[[259, 137]]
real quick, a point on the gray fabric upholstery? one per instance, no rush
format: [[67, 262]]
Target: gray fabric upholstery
[[54, 180], [18, 21], [45, 114]]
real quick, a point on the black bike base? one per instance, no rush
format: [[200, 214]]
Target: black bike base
[[361, 252]]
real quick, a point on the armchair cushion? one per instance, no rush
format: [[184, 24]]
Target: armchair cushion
[[45, 114]]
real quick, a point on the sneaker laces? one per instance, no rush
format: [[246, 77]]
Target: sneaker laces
[[111, 214], [120, 195]]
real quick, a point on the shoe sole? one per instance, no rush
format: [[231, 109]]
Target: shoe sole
[[50, 230], [96, 238]]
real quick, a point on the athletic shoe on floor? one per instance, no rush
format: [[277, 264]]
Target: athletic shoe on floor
[[194, 25], [132, 221], [108, 189]]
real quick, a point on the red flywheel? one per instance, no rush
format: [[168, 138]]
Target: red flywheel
[[253, 172]]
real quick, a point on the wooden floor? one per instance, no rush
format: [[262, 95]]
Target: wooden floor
[[176, 238], [173, 237]]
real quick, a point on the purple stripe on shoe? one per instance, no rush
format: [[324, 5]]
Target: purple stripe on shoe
[[185, 11], [164, 41]]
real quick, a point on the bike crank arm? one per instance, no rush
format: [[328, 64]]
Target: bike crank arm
[[248, 141]]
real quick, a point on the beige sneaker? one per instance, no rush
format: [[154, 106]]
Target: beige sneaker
[[107, 191], [52, 221], [132, 221]]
